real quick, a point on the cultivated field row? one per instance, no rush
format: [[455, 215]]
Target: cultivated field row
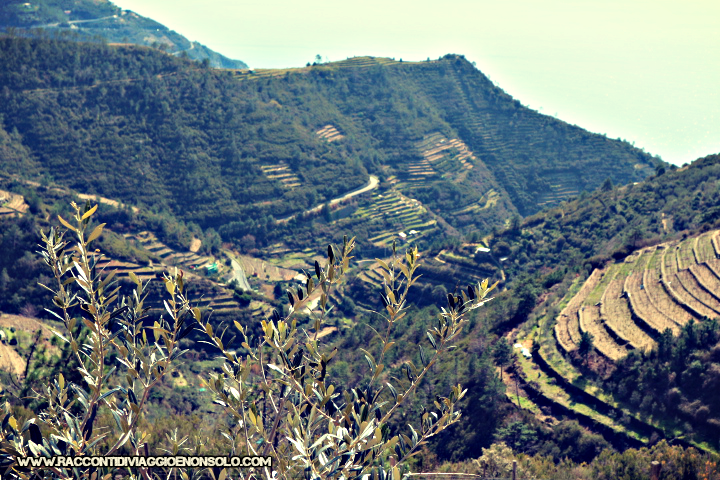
[[282, 173], [628, 305], [567, 329], [205, 293], [443, 155], [624, 306], [12, 204], [329, 133], [394, 216], [619, 321]]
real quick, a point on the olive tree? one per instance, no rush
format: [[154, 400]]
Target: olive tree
[[275, 387]]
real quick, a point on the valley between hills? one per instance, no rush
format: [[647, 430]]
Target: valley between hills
[[600, 347]]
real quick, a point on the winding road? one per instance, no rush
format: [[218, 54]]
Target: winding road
[[239, 275], [372, 184]]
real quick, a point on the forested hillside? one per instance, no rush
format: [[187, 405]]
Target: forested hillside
[[614, 221], [219, 147], [192, 140]]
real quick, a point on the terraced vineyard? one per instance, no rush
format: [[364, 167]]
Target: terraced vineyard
[[368, 62], [563, 185], [213, 293], [441, 156], [515, 143], [417, 172], [12, 204], [205, 293], [371, 273], [246, 74], [168, 256], [488, 200], [392, 215], [660, 287], [355, 62], [281, 172], [475, 136], [544, 387], [624, 306], [458, 266], [329, 133]]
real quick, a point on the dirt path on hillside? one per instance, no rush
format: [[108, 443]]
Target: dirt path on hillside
[[26, 324], [83, 196], [664, 222], [10, 360], [73, 22], [106, 201]]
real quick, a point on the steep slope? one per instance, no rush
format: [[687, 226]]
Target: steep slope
[[141, 126], [537, 159], [611, 223], [235, 149], [87, 20], [632, 330]]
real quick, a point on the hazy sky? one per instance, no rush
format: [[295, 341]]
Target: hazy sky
[[644, 71]]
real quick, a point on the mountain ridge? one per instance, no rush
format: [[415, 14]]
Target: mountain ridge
[[188, 136], [85, 20]]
